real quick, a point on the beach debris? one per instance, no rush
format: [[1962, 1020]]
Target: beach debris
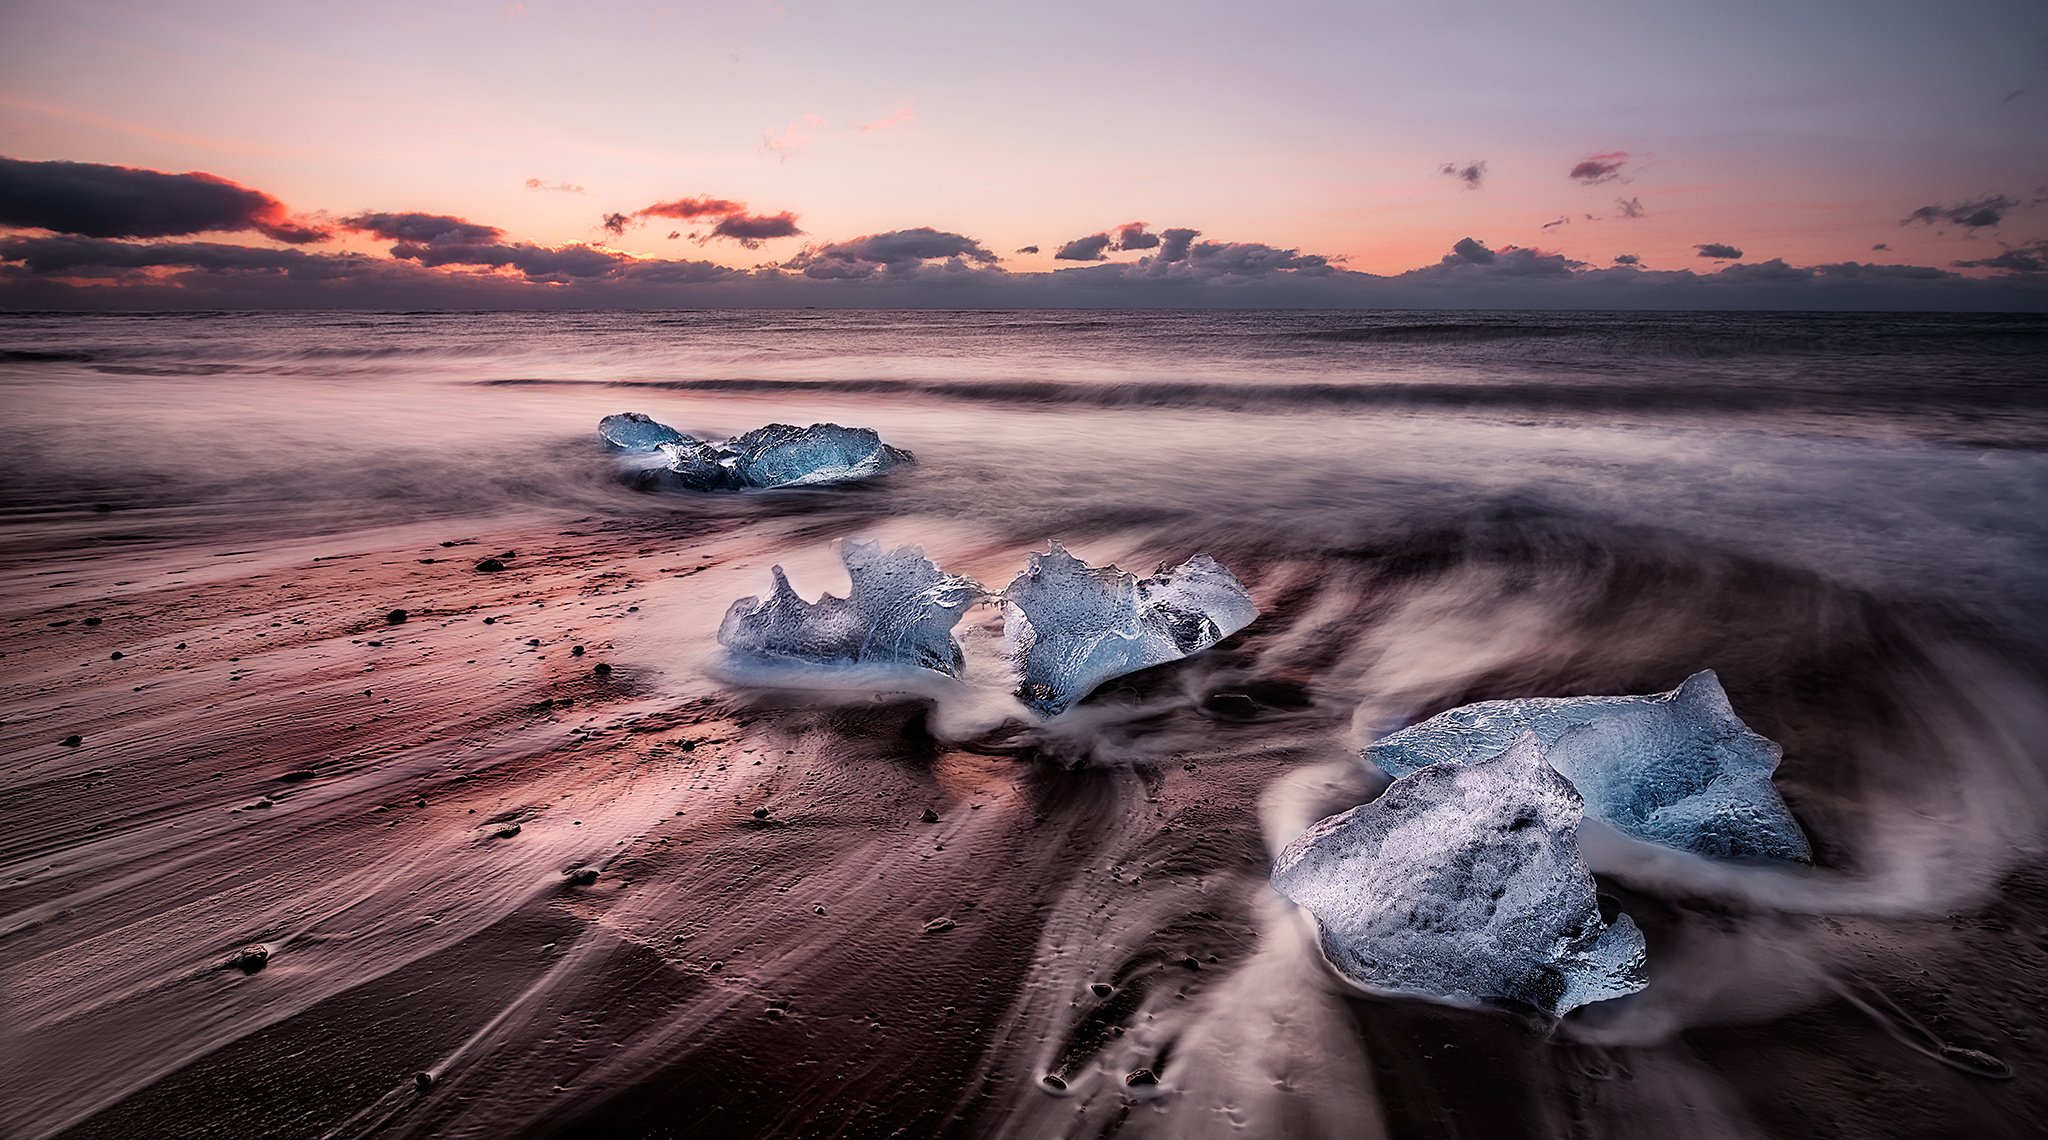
[[1678, 769], [1464, 883], [636, 431], [900, 611], [778, 455], [1069, 626]]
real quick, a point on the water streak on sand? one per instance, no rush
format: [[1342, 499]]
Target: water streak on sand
[[1840, 517]]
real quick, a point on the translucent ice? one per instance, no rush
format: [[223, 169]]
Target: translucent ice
[[900, 611], [633, 431], [1678, 769], [1071, 626], [779, 455], [1464, 883]]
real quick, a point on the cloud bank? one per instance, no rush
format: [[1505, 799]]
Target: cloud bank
[[84, 236]]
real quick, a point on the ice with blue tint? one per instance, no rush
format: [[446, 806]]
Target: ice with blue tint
[[1070, 626], [1464, 883], [1678, 769], [782, 455], [778, 455], [900, 612], [635, 431]]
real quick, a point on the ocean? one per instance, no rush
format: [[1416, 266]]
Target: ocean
[[1841, 514]]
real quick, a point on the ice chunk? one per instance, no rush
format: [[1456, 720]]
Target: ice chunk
[[779, 455], [900, 611], [1071, 626], [1464, 883], [783, 455], [633, 431], [1678, 769]]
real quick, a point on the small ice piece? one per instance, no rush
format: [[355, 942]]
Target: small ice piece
[[1464, 883], [701, 467], [1678, 769], [634, 431], [784, 455], [1070, 626], [900, 611], [779, 455]]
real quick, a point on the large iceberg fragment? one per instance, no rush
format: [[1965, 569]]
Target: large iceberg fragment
[[1678, 769], [1071, 626], [779, 455], [900, 612], [1464, 883], [635, 431]]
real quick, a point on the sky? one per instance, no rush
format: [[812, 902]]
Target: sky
[[1826, 153]]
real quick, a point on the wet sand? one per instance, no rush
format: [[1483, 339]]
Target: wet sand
[[499, 890]]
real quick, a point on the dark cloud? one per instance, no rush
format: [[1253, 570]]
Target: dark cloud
[[1880, 245], [92, 200], [900, 253], [1627, 259], [1470, 257], [1596, 169], [1631, 208], [2029, 258], [1472, 174], [729, 220], [1252, 259], [1088, 248], [1132, 235], [1027, 249], [751, 230], [691, 209], [66, 256], [557, 187], [1971, 214], [1174, 245], [1561, 221], [1719, 250], [410, 227], [535, 261], [1467, 251]]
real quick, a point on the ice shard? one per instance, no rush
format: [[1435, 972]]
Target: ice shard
[[1678, 769], [900, 612], [778, 455], [1070, 626], [783, 455], [1464, 883], [634, 431]]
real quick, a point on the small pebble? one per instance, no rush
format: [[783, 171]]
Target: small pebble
[[1141, 1077], [1053, 1082], [395, 617], [582, 876], [1100, 989], [760, 813], [92, 621], [252, 957], [72, 741], [489, 566], [116, 655], [930, 816], [602, 669], [575, 651]]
